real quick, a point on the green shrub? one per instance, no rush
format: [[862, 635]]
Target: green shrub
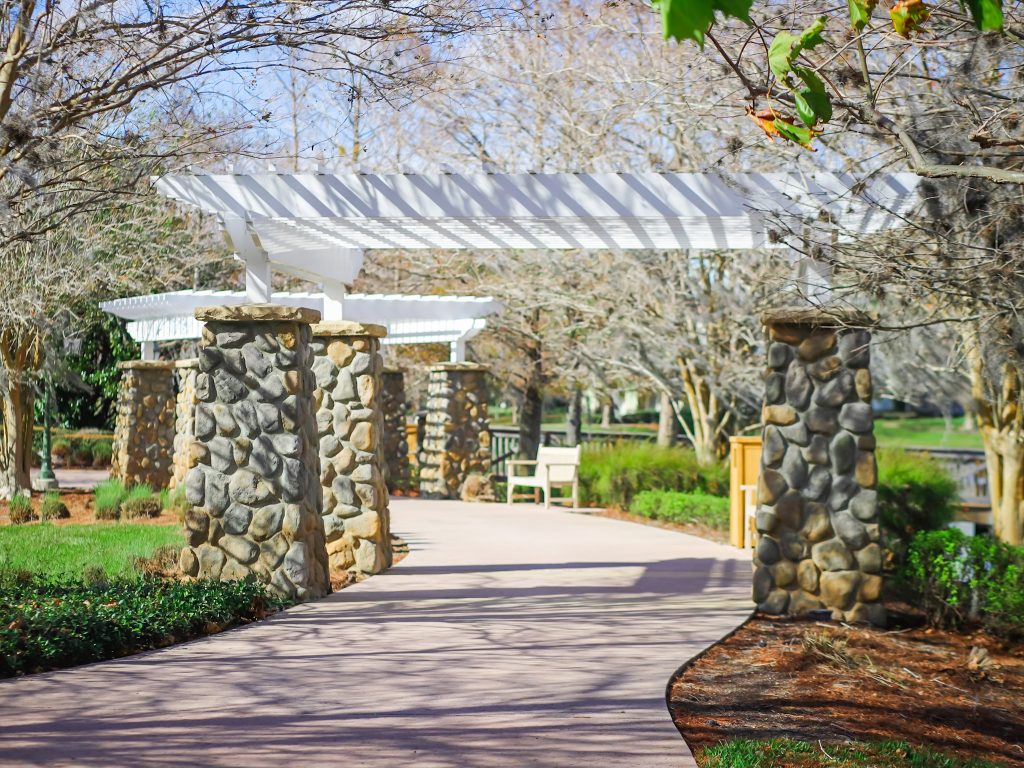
[[613, 475], [140, 501], [106, 619], [20, 508], [108, 498], [81, 454], [680, 507], [915, 493], [61, 448], [102, 452], [52, 508], [967, 580]]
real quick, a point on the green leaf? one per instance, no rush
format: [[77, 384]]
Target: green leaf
[[804, 110], [786, 47], [798, 134], [690, 19], [987, 14], [685, 19], [814, 94], [860, 12]]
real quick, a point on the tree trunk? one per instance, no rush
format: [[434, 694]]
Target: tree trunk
[[606, 414], [532, 407], [530, 419], [574, 421], [709, 433], [997, 409], [16, 440], [667, 424]]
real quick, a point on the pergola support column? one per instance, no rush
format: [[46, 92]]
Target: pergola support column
[[144, 426], [457, 439], [184, 418], [396, 444], [350, 426], [254, 481], [817, 515]]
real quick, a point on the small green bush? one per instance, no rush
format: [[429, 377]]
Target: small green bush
[[61, 448], [52, 508], [102, 452], [108, 498], [613, 475], [20, 509], [174, 500], [679, 507], [81, 455], [915, 493], [967, 580], [140, 501], [104, 619]]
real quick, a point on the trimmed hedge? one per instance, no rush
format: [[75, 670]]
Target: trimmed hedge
[[613, 475], [967, 580], [54, 624], [915, 493], [680, 507]]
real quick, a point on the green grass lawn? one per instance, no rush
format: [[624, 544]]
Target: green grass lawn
[[743, 753], [66, 550], [925, 433]]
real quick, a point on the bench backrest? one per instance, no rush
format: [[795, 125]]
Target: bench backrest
[[561, 457]]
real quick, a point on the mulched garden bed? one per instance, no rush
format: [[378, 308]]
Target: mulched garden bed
[[694, 529], [829, 682]]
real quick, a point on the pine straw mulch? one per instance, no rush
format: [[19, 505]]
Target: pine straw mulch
[[825, 681]]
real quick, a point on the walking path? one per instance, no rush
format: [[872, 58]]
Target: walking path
[[510, 637]]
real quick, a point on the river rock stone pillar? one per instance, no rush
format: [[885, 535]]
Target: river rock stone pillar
[[184, 419], [817, 515], [457, 438], [350, 426], [254, 483], [144, 426], [396, 444]]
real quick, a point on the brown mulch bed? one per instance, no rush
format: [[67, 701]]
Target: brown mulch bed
[[694, 529], [79, 504], [821, 680]]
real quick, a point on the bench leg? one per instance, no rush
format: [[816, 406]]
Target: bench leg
[[575, 495], [508, 500]]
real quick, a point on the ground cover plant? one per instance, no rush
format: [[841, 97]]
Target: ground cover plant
[[612, 475], [65, 551], [746, 753], [20, 509], [681, 507], [50, 624], [140, 501], [52, 508]]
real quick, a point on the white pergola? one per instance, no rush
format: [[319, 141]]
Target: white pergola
[[316, 226], [451, 320]]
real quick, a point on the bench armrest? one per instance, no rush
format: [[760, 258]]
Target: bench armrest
[[519, 462]]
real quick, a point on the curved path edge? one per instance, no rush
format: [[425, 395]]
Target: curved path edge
[[509, 636]]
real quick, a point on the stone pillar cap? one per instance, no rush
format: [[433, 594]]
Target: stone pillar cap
[[190, 362], [244, 313], [819, 317], [458, 367], [146, 365], [348, 328]]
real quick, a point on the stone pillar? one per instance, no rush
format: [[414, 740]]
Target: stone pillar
[[396, 445], [817, 512], [144, 425], [184, 418], [254, 481], [457, 439], [350, 425]]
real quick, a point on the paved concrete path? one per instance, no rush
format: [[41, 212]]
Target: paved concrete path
[[77, 478], [510, 637]]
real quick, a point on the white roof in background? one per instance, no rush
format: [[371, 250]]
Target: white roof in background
[[313, 218], [409, 319]]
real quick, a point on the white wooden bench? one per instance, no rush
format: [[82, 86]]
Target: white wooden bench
[[553, 468]]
